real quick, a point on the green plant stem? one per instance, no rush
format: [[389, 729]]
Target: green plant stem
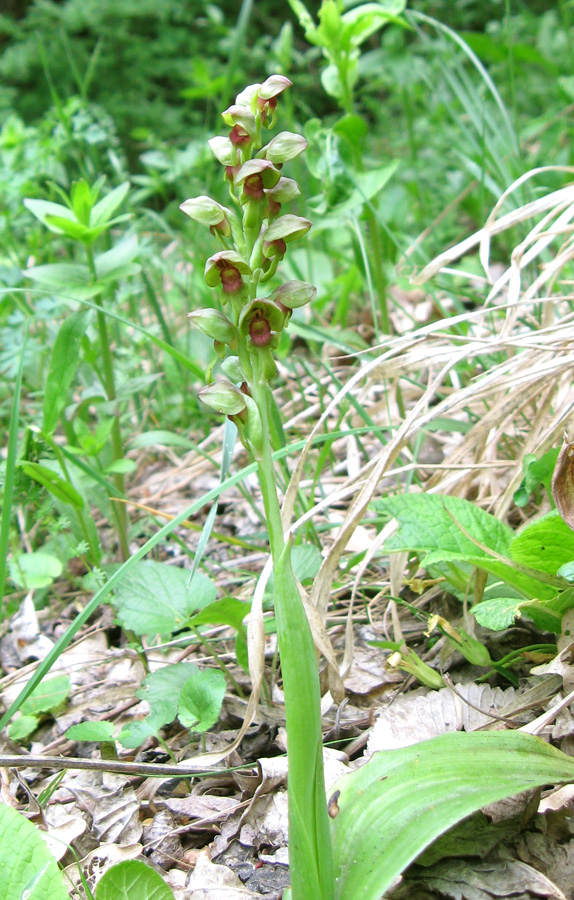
[[9, 478], [377, 269], [95, 553], [120, 511], [310, 854], [211, 651]]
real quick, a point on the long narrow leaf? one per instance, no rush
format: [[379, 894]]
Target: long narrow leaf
[[229, 438], [309, 839]]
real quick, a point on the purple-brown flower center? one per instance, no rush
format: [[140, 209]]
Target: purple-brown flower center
[[260, 329], [266, 104], [238, 136], [253, 187], [230, 277], [279, 248]]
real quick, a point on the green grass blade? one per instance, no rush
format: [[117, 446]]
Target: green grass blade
[[453, 36], [10, 471], [229, 438]]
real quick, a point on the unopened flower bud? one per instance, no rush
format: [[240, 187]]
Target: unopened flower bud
[[224, 151], [207, 212], [223, 397], [214, 324], [406, 659], [270, 90], [283, 147], [285, 190], [473, 651], [294, 294], [232, 369], [281, 232], [249, 426]]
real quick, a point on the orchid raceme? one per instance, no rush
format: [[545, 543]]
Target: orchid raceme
[[256, 237]]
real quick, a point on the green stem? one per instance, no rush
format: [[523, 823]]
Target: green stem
[[95, 552], [310, 853], [378, 270], [120, 511]]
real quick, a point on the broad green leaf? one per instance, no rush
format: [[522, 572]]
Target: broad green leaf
[[22, 727], [118, 259], [168, 438], [306, 561], [161, 690], [200, 699], [28, 871], [428, 522], [497, 613], [546, 543], [363, 21], [389, 810], [61, 489], [536, 472], [64, 361], [132, 880], [43, 209], [34, 570], [227, 611], [49, 695], [566, 82], [90, 731], [441, 527], [104, 210], [367, 186], [155, 598], [60, 275], [123, 466], [76, 230]]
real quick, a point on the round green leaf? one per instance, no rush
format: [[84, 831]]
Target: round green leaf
[[90, 731], [200, 699], [34, 570], [132, 880]]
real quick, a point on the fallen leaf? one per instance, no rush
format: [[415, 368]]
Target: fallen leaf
[[211, 882]]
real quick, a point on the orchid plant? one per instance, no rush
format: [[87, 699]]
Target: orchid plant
[[254, 235], [382, 816]]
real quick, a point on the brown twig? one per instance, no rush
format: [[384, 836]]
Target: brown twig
[[122, 767]]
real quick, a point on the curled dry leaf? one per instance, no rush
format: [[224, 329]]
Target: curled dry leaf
[[563, 483]]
